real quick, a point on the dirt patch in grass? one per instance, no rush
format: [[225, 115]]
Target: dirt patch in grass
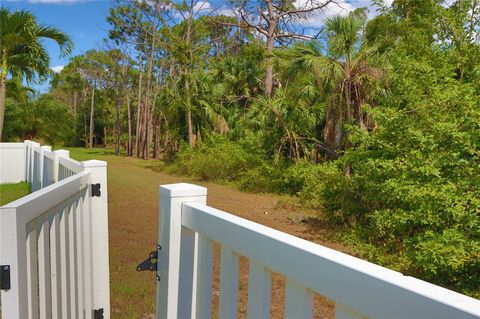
[[11, 192], [133, 220]]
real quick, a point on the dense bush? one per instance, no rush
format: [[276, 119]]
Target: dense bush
[[414, 187], [218, 160], [43, 118]]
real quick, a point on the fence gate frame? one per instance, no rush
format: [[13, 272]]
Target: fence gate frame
[[54, 241], [360, 289]]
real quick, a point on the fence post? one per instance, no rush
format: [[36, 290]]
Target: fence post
[[28, 161], [99, 231], [13, 255], [35, 167], [174, 290], [27, 158], [42, 159], [56, 162]]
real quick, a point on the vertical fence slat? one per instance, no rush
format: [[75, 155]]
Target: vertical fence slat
[[259, 291], [87, 255], [298, 301], [55, 264], [186, 303], [203, 292], [57, 168], [72, 260], [32, 277], [44, 280], [80, 252], [65, 264], [27, 160], [229, 262]]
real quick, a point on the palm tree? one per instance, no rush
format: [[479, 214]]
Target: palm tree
[[349, 73], [21, 51]]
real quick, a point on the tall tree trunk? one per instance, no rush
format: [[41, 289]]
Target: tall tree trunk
[[92, 104], [191, 136], [75, 102], [117, 122], [147, 126], [129, 116], [3, 91], [139, 109], [272, 24], [84, 111], [156, 137]]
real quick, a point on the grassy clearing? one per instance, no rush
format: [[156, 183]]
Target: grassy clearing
[[11, 192], [133, 227]]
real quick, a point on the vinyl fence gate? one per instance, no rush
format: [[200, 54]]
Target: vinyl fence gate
[[54, 241], [188, 229]]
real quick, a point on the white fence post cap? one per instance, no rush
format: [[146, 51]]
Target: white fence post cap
[[62, 152], [182, 190], [94, 163]]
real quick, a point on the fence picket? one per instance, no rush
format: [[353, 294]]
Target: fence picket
[[298, 301], [229, 261], [259, 291], [203, 293], [65, 263], [87, 254], [44, 279], [55, 264], [32, 278], [79, 259], [72, 259]]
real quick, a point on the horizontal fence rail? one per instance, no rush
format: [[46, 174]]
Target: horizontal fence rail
[[359, 289], [54, 241]]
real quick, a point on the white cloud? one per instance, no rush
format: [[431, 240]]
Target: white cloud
[[317, 18], [57, 69], [225, 12], [57, 1], [201, 6]]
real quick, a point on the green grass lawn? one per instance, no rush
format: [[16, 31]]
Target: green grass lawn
[[11, 192]]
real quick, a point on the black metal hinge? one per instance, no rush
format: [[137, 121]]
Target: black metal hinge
[[98, 313], [96, 190], [150, 264], [4, 277]]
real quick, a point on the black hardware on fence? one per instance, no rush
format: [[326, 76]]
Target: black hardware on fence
[[96, 190], [98, 313], [150, 264], [4, 277]]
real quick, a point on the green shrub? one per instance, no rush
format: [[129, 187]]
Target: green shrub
[[263, 178], [218, 160]]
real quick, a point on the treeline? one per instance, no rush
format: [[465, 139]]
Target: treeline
[[375, 122]]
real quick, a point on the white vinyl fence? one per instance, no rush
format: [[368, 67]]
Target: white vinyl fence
[[359, 289], [54, 241]]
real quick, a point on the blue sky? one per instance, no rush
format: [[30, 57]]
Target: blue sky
[[84, 21]]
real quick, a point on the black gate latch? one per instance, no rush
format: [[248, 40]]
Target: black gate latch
[[98, 313], [96, 190], [150, 264], [4, 277]]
